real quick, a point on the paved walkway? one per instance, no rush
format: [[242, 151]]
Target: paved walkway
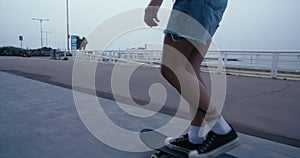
[[40, 120], [262, 107]]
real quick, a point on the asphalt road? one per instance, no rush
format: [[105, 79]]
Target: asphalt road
[[262, 107]]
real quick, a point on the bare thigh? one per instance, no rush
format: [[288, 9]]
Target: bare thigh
[[193, 53], [175, 58], [196, 58], [182, 45]]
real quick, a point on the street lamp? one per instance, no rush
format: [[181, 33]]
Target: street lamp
[[68, 29], [41, 27], [47, 32]]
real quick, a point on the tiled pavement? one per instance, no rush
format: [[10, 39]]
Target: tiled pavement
[[40, 120]]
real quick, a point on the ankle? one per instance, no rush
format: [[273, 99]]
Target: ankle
[[193, 135], [221, 127]]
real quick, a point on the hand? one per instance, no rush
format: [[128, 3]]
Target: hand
[[150, 17], [151, 11]]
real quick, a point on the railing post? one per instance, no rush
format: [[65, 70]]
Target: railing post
[[97, 56], [94, 56], [126, 57], [73, 55], [220, 61], [110, 56], [151, 58], [225, 58], [90, 55], [274, 69], [102, 56], [257, 60], [114, 57]]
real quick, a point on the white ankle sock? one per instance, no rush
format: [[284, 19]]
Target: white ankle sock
[[221, 127], [193, 134]]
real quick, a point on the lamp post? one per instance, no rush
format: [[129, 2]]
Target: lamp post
[[41, 27], [68, 29], [47, 32]]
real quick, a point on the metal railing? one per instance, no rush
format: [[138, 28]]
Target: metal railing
[[274, 64]]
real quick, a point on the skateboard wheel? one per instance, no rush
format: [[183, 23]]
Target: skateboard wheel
[[154, 156]]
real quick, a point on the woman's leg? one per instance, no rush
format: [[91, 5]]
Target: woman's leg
[[176, 69], [195, 59]]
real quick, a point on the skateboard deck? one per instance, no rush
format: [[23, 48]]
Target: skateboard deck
[[155, 140]]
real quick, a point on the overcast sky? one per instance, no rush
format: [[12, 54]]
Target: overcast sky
[[247, 24]]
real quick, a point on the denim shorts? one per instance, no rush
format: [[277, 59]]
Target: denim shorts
[[196, 19]]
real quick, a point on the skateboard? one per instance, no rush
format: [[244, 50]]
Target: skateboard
[[155, 140]]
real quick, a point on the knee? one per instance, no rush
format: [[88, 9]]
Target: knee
[[164, 71], [167, 73], [170, 76]]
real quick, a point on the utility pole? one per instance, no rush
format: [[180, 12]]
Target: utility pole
[[41, 28]]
